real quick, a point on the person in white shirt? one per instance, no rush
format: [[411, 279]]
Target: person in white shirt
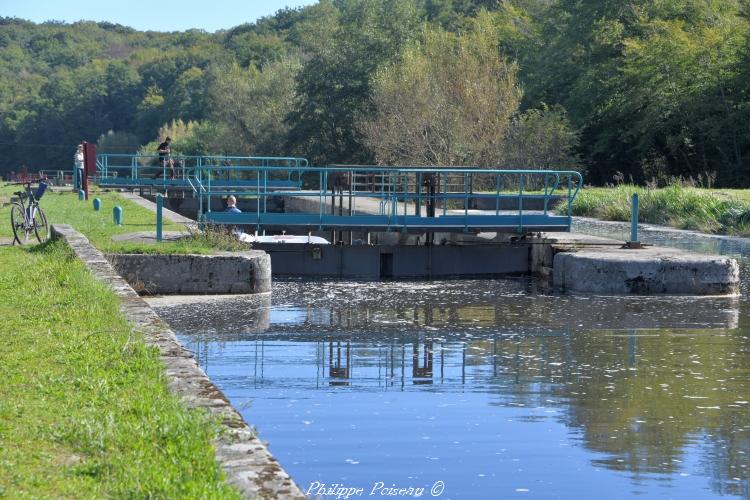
[[78, 162]]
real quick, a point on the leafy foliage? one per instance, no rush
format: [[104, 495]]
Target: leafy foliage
[[652, 89], [448, 101]]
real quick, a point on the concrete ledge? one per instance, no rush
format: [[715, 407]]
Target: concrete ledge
[[648, 271], [248, 464], [223, 273]]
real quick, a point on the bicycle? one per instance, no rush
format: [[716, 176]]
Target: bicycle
[[26, 216]]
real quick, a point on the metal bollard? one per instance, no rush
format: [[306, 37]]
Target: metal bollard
[[81, 195], [117, 215], [159, 207], [97, 204]]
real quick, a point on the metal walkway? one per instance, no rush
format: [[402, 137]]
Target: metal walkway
[[137, 171], [359, 198]]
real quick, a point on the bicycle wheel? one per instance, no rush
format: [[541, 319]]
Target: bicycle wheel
[[18, 221], [40, 225]]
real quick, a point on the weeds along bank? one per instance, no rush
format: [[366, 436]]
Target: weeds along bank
[[84, 406], [682, 207]]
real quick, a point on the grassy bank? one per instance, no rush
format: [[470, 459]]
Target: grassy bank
[[64, 207], [706, 210], [84, 407]]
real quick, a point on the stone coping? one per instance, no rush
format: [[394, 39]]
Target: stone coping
[[245, 459]]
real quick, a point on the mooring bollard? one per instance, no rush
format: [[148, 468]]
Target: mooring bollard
[[117, 214], [159, 206], [97, 204], [81, 194]]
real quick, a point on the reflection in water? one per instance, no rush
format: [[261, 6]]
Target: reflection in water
[[338, 371], [493, 386]]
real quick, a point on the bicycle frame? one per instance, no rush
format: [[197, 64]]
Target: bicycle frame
[[29, 208]]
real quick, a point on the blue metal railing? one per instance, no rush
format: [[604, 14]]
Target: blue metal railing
[[142, 170], [366, 197], [398, 198]]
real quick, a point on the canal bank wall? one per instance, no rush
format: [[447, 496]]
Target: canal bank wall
[[248, 464]]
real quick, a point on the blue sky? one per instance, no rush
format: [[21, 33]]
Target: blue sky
[[159, 15]]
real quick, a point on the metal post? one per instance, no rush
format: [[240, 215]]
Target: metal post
[[159, 206], [97, 204], [634, 243]]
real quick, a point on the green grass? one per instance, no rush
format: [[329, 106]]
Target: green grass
[[84, 407], [736, 194], [64, 207], [682, 207]]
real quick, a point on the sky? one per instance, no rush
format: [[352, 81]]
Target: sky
[[159, 15]]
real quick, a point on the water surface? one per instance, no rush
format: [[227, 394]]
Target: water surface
[[490, 388]]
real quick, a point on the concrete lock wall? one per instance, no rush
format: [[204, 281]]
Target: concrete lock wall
[[645, 272], [223, 273]]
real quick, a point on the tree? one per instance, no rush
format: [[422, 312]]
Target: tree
[[447, 101], [249, 107], [676, 86], [117, 142], [541, 139], [333, 86], [649, 84]]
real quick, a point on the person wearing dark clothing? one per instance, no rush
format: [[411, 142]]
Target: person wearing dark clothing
[[165, 158]]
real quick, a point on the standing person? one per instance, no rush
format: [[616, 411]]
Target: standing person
[[78, 173], [165, 158]]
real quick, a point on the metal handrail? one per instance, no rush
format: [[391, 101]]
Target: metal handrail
[[398, 190], [397, 193], [128, 168]]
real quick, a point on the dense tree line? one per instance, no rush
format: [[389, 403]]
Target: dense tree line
[[647, 89]]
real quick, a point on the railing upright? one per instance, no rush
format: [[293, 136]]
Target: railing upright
[[418, 187], [406, 199], [570, 202], [466, 202], [323, 177], [520, 202], [497, 194], [265, 190], [257, 203]]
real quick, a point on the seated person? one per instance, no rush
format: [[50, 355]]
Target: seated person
[[232, 205]]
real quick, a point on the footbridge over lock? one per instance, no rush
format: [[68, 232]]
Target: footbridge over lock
[[408, 210], [354, 198]]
